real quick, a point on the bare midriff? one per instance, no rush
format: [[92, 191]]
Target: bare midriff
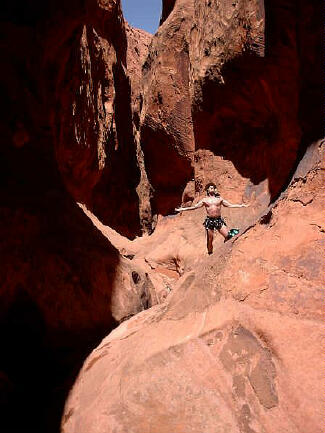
[[213, 207]]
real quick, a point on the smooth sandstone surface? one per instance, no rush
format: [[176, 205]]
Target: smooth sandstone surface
[[236, 347]]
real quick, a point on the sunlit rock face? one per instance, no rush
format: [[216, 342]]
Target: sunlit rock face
[[230, 349], [189, 51], [247, 91], [236, 347], [234, 79], [166, 126]]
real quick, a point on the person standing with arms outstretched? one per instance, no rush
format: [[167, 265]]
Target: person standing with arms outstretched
[[214, 221]]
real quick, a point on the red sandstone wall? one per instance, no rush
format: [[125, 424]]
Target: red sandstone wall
[[230, 78], [72, 122], [63, 285]]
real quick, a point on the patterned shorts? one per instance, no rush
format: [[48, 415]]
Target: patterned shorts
[[214, 223]]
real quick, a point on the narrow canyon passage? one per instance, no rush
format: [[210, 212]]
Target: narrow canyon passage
[[108, 297]]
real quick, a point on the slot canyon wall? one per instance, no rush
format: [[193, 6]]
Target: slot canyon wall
[[131, 125], [230, 81], [66, 128]]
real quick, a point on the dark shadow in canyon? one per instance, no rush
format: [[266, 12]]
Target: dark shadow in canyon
[[105, 179], [36, 375], [167, 8], [57, 270], [168, 171], [119, 181]]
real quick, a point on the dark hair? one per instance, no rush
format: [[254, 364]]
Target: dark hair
[[207, 186]]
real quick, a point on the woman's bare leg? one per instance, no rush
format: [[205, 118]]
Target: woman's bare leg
[[210, 234]]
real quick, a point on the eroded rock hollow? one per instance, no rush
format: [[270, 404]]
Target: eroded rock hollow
[[105, 130]]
